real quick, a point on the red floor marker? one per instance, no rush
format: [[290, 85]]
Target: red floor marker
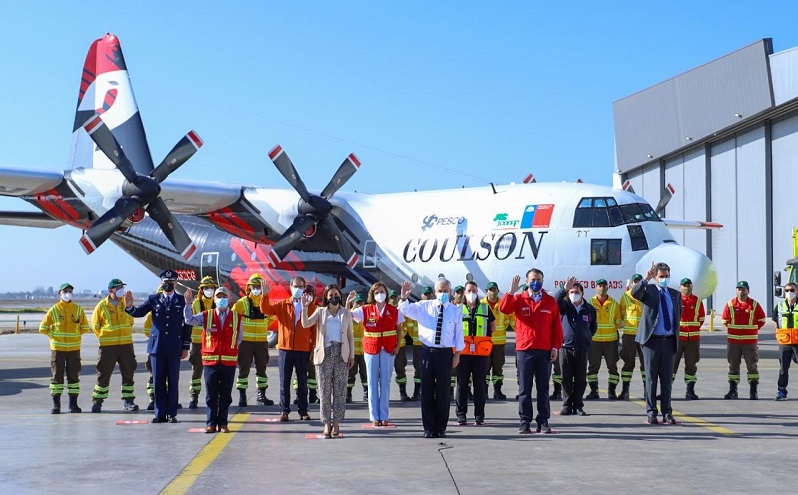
[[369, 426], [196, 430], [132, 422], [268, 420], [319, 436]]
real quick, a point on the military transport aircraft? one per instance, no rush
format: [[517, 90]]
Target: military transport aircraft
[[113, 191]]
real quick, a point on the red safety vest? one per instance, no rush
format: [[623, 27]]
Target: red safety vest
[[379, 331], [220, 346]]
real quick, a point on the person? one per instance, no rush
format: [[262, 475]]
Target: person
[[538, 334], [661, 310], [333, 355], [784, 314], [579, 324], [689, 337], [631, 311], [169, 342], [743, 317], [411, 327], [441, 332], [359, 366], [114, 331], [294, 342], [64, 323], [504, 322], [203, 302], [458, 294], [382, 326], [255, 345], [222, 334], [605, 341], [400, 362], [478, 325]]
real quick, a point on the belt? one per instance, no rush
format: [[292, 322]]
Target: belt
[[436, 349], [662, 336]]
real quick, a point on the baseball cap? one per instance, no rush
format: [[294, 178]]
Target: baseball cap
[[458, 288], [601, 281], [426, 289], [685, 281], [492, 285], [637, 277], [393, 293], [742, 284], [115, 282], [222, 290], [66, 286]]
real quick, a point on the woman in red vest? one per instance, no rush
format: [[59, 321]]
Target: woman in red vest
[[382, 327], [221, 335]]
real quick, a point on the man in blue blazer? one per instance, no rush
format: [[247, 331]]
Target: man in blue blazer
[[170, 340], [658, 334]]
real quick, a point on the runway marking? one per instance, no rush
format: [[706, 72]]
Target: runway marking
[[696, 421], [188, 476]]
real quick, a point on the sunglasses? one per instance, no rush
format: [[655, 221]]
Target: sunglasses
[[789, 290]]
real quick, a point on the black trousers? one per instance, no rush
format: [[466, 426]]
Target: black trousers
[[219, 393], [533, 366], [436, 375], [787, 353], [290, 361], [658, 355], [573, 364], [474, 368]]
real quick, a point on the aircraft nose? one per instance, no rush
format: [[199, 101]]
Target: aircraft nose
[[685, 263]]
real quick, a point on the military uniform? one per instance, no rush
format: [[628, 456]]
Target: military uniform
[[605, 344], [631, 312]]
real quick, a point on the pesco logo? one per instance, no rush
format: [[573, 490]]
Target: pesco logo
[[433, 220], [500, 222]]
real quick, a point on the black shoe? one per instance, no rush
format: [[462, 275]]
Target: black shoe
[[524, 429], [479, 421], [158, 419], [128, 405], [242, 397], [193, 402], [56, 405], [97, 406], [427, 434], [462, 421], [668, 418], [441, 434], [593, 395], [543, 428], [179, 405], [580, 412], [565, 411], [652, 419], [348, 395], [434, 434], [497, 392], [173, 419]]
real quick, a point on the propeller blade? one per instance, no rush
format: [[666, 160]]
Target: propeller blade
[[529, 179], [343, 174], [107, 224], [286, 167], [667, 194], [175, 232], [289, 239], [105, 140], [183, 150], [332, 232], [627, 186]]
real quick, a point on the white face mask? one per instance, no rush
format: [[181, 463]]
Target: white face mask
[[255, 292], [120, 292], [208, 293], [575, 297], [790, 295], [379, 297], [67, 296], [471, 297], [297, 292]]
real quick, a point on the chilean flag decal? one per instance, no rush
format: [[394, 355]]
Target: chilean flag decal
[[537, 216]]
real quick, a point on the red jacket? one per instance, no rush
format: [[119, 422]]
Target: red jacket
[[538, 324]]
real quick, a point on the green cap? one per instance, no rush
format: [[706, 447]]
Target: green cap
[[458, 288], [742, 284], [115, 282], [358, 298], [601, 281], [393, 293], [686, 281], [426, 289], [66, 286], [637, 277], [525, 287], [492, 285]]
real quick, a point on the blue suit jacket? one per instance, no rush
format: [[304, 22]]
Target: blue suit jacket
[[170, 334]]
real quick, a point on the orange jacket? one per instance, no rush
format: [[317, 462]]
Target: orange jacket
[[292, 336]]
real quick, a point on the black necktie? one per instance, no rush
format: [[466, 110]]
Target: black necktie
[[439, 328], [666, 317]]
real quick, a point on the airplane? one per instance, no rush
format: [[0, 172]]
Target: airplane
[[490, 233]]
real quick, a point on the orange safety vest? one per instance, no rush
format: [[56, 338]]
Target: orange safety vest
[[477, 342], [220, 346], [379, 331], [692, 318]]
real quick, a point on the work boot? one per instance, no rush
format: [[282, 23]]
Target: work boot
[[732, 391], [56, 405], [312, 397], [97, 405], [366, 394], [128, 405], [151, 405], [242, 397], [497, 392], [754, 395], [611, 395], [73, 404], [416, 392], [690, 393], [403, 392], [348, 395], [624, 391], [262, 399], [192, 404], [557, 394], [593, 395]]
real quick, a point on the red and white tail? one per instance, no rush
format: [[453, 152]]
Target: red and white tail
[[105, 89]]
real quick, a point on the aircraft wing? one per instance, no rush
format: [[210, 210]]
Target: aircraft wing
[[26, 182], [29, 219], [690, 224]]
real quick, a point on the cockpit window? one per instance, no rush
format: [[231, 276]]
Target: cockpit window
[[605, 212]]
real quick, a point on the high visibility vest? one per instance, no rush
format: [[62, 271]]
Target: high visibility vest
[[379, 331], [64, 323], [787, 334], [199, 305], [631, 311], [692, 318], [477, 342], [357, 331], [608, 319], [742, 324], [220, 346], [503, 322], [254, 323], [410, 327], [112, 325]]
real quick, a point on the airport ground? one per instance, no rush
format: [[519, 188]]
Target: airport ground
[[740, 446]]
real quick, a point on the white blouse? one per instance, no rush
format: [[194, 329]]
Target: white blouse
[[332, 328]]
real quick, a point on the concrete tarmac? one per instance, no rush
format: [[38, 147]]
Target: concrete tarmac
[[720, 446]]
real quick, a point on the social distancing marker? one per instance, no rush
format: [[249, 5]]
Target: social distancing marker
[[132, 422], [370, 426], [268, 420], [196, 430], [470, 424], [316, 436]]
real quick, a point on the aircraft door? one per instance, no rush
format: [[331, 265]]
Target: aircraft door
[[370, 254], [209, 265]]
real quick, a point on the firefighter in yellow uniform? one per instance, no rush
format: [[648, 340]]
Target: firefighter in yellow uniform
[[631, 311], [114, 330], [360, 362], [255, 344], [400, 362], [65, 323], [202, 302], [605, 341], [495, 372]]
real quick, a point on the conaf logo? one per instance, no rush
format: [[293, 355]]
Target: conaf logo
[[434, 221]]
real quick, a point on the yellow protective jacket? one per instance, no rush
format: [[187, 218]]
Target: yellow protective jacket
[[608, 318], [357, 331], [111, 324], [200, 304], [631, 311], [503, 322], [254, 323], [64, 323]]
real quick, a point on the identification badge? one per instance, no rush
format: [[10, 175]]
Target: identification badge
[[525, 312], [472, 348], [585, 318]]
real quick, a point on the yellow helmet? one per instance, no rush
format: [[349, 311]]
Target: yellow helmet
[[207, 282], [255, 279]]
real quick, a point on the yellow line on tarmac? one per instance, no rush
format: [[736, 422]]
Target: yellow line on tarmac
[[188, 476], [696, 421]]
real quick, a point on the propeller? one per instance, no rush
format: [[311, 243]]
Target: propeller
[[139, 191], [529, 179], [667, 194], [314, 211], [627, 186]]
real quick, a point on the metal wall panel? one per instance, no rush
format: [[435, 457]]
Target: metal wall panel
[[784, 73], [785, 168], [695, 203], [724, 210], [751, 214], [651, 185], [674, 175]]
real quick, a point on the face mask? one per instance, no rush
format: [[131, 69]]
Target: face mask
[[379, 297], [663, 282], [120, 293], [168, 287], [67, 296], [790, 295], [471, 297], [443, 297], [335, 300], [297, 292], [221, 303], [208, 293], [535, 285], [575, 298], [255, 292]]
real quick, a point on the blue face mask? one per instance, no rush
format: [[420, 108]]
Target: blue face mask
[[535, 285], [221, 303], [663, 282], [443, 297]]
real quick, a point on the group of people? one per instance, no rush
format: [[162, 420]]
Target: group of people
[[330, 340]]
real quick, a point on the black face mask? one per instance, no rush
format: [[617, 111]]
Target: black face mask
[[168, 287], [335, 300]]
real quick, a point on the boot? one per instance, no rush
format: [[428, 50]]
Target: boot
[[348, 395], [56, 405], [611, 395], [497, 392], [242, 397], [403, 392], [624, 391], [365, 394], [690, 393], [732, 391], [97, 405], [754, 395], [128, 405], [73, 404], [416, 392], [151, 405], [192, 404], [262, 399], [557, 394], [593, 395], [312, 397]]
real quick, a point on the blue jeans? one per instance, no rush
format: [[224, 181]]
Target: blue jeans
[[379, 368]]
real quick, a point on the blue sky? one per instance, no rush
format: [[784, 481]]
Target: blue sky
[[427, 94]]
